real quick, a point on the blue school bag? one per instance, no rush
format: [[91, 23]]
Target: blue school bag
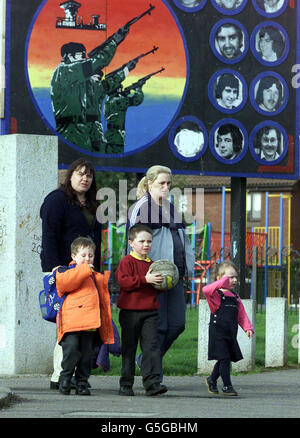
[[50, 302]]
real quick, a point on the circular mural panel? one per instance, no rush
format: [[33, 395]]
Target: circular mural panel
[[106, 77]]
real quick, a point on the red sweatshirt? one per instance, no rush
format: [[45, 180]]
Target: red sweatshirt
[[135, 292]]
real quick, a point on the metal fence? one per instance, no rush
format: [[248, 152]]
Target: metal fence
[[269, 273], [279, 277]]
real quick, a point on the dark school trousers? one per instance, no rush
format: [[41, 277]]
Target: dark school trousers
[[77, 353], [139, 325]]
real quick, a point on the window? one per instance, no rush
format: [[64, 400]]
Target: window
[[254, 207]]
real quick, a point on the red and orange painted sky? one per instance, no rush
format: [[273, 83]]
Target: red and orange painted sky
[[158, 29]]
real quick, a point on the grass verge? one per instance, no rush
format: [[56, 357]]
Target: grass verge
[[181, 359]]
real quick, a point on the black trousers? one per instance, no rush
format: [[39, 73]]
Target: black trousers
[[77, 353], [140, 325]]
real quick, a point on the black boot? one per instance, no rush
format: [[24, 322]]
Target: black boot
[[82, 389], [64, 385]]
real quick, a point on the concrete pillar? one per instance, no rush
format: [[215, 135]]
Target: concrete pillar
[[276, 332], [205, 366], [298, 343], [247, 346], [28, 171]]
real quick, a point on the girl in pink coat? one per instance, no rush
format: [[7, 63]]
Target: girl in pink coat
[[227, 312]]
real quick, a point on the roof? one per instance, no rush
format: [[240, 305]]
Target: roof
[[215, 182]]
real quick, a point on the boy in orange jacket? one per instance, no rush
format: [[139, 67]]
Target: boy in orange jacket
[[85, 310]]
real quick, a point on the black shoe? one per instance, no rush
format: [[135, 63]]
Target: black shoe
[[211, 385], [82, 390], [64, 386], [126, 390], [54, 385], [74, 383], [229, 390], [156, 389]]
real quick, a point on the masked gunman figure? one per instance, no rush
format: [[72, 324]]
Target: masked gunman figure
[[76, 88]]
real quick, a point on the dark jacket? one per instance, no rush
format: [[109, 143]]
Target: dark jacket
[[61, 224], [170, 242]]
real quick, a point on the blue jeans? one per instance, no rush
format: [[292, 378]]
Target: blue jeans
[[171, 322]]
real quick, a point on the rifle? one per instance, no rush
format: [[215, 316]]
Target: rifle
[[135, 60], [140, 82], [126, 26]]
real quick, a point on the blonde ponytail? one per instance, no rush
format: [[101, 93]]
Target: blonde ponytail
[[151, 175]]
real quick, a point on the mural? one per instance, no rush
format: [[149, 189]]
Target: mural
[[206, 87], [114, 74]]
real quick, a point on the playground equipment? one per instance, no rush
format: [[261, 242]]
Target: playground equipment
[[274, 249], [113, 245], [213, 246]]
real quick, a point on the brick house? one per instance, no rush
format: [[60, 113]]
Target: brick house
[[257, 188]]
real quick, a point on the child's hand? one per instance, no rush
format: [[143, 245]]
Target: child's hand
[[153, 278], [249, 333]]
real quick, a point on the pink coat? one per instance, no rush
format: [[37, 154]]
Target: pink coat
[[214, 301]]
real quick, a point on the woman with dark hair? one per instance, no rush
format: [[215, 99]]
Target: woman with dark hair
[[67, 213]]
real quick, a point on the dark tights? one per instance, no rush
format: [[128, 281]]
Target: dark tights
[[222, 368]]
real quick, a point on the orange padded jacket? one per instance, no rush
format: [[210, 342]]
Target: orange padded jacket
[[87, 304]]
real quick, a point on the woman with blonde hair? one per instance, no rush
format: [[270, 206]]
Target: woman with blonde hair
[[170, 242]]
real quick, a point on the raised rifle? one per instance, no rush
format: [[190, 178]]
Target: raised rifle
[[135, 60], [126, 26], [140, 82]]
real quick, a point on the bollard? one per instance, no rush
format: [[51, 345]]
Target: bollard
[[204, 365], [247, 345], [276, 332]]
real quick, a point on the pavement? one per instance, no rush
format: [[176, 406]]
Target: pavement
[[271, 394]]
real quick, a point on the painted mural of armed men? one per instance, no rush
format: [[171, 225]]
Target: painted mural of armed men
[[115, 112], [77, 91], [79, 88]]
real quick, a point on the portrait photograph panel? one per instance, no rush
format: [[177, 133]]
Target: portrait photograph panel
[[269, 93], [190, 5], [229, 41], [268, 142], [188, 138], [228, 141], [270, 8], [269, 43], [229, 7], [227, 91]]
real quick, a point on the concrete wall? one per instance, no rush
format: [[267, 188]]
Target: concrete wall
[[28, 171]]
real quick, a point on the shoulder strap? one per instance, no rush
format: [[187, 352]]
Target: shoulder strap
[[220, 293]]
